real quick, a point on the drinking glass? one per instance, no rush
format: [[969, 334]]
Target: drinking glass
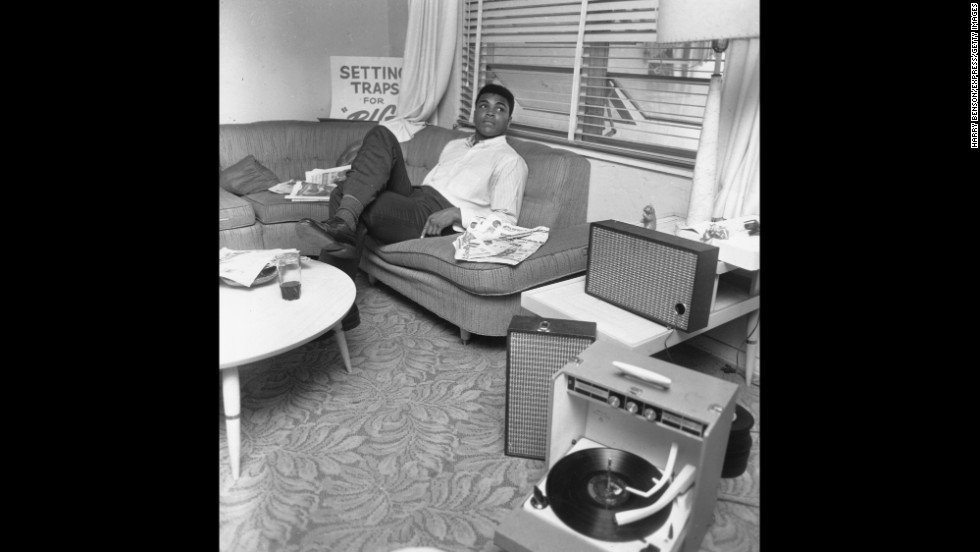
[[289, 272]]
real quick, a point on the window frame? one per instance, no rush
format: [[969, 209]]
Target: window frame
[[679, 160]]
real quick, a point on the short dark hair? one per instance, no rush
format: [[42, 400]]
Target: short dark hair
[[499, 90]]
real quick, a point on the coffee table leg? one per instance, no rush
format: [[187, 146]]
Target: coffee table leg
[[231, 393], [338, 332]]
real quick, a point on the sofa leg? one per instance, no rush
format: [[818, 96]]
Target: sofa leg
[[464, 336], [371, 279]]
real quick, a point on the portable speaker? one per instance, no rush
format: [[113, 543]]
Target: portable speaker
[[658, 276], [536, 349]]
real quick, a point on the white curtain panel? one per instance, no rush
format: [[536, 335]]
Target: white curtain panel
[[738, 138], [705, 183], [430, 47]]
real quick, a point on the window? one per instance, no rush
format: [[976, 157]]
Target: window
[[589, 74]]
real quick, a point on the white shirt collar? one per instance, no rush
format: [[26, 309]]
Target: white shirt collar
[[471, 140]]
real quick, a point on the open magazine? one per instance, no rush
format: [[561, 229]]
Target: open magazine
[[310, 191]]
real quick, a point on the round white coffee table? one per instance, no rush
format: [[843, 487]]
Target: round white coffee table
[[257, 323]]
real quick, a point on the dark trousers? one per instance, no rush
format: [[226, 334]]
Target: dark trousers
[[394, 211]]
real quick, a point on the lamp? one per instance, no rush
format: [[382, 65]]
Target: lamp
[[718, 21], [696, 20]]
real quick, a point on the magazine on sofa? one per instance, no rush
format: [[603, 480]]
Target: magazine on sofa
[[318, 184]]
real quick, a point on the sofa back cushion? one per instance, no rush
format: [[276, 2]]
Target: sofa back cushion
[[557, 191], [556, 194], [288, 148]]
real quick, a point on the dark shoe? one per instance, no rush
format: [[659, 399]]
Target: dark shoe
[[332, 234], [351, 320], [347, 260]]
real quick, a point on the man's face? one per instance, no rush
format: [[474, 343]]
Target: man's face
[[492, 115]]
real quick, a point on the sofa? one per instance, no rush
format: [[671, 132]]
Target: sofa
[[479, 298]]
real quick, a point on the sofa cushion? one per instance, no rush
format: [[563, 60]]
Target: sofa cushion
[[247, 176], [233, 211], [273, 208], [565, 253]]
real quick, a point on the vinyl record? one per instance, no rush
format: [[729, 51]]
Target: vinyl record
[[588, 487]]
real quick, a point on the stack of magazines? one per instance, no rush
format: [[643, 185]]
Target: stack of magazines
[[315, 187]]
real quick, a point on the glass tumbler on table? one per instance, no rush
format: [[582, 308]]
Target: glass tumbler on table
[[288, 268]]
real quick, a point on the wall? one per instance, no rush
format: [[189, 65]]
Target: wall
[[274, 55], [620, 192]]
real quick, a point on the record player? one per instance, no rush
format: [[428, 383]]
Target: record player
[[635, 452]]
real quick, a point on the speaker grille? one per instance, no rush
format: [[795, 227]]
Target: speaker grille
[[655, 275], [651, 278], [533, 358]]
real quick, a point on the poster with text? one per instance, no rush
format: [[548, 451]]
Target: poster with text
[[364, 88]]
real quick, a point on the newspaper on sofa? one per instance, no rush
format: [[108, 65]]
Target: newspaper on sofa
[[243, 265], [494, 240], [317, 185]]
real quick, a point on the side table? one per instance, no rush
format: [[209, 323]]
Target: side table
[[567, 299]]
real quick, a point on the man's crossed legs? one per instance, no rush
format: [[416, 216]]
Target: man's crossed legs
[[377, 197]]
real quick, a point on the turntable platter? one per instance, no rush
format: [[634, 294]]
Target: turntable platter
[[588, 487]]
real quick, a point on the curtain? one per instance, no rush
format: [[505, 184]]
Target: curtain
[[704, 185], [738, 138], [430, 46]]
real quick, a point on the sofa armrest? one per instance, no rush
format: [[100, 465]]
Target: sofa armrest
[[233, 211]]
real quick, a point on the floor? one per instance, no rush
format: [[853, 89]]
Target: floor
[[299, 408]]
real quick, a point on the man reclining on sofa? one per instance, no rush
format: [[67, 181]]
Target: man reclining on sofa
[[476, 176]]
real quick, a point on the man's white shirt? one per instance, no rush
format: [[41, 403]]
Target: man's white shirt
[[480, 178]]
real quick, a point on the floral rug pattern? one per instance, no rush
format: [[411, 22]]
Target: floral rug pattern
[[407, 450]]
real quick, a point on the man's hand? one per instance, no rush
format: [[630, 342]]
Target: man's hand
[[441, 219]]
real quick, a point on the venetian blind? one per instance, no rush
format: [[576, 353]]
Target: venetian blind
[[589, 74]]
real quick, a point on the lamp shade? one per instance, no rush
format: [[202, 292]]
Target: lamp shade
[[698, 20]]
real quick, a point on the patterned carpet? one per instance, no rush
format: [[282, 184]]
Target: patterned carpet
[[408, 449]]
